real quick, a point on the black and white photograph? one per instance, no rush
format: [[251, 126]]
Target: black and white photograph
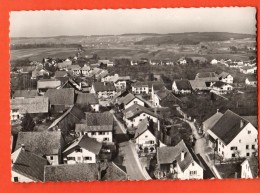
[[133, 94]]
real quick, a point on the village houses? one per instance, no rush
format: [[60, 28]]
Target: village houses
[[220, 87], [44, 84], [251, 80], [129, 100], [226, 77], [181, 86], [84, 99], [104, 90]]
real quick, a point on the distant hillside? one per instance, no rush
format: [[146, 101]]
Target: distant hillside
[[192, 38]]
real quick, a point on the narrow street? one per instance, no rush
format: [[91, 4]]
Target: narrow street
[[132, 163], [120, 131]]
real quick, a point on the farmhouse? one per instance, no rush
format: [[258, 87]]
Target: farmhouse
[[228, 170], [249, 168], [181, 86], [251, 80], [199, 85], [44, 144], [136, 113], [76, 69], [179, 161], [97, 125], [221, 88], [104, 90], [21, 106], [129, 100], [82, 150], [226, 77], [27, 166], [146, 87], [248, 70], [211, 121], [84, 99], [39, 73], [208, 77], [182, 61], [165, 98], [85, 70], [233, 136], [60, 99]]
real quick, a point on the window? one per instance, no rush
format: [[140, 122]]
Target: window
[[247, 154], [253, 146], [78, 150], [219, 143], [222, 146], [135, 102], [88, 158], [247, 146], [51, 157], [223, 153], [193, 172], [239, 140], [255, 140], [71, 158], [233, 148], [192, 164], [102, 133], [15, 179], [93, 133], [106, 139], [146, 136], [248, 131], [79, 158], [233, 155]]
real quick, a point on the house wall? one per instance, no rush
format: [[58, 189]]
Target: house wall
[[79, 157], [53, 159], [135, 121], [106, 94], [177, 91], [240, 141], [187, 175], [156, 101], [223, 90], [100, 136], [147, 139], [245, 170], [250, 82], [95, 107], [140, 89], [229, 79], [120, 84], [21, 178], [134, 101]]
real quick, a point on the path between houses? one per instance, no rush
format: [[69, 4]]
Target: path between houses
[[131, 161]]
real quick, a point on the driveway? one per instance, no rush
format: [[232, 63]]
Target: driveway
[[131, 162]]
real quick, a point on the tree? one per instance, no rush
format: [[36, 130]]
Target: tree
[[27, 123]]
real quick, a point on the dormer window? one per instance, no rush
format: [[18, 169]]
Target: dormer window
[[249, 132]]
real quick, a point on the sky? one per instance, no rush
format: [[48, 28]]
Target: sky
[[115, 22]]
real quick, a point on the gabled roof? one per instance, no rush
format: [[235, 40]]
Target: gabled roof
[[40, 143], [87, 143], [183, 84], [48, 83], [207, 76], [74, 111], [223, 75], [136, 110], [30, 105], [141, 127], [87, 98], [71, 172], [128, 98], [167, 155], [103, 86], [228, 126], [229, 170], [64, 96], [252, 120], [94, 119], [112, 171], [25, 93], [211, 121], [198, 84], [28, 164], [252, 78]]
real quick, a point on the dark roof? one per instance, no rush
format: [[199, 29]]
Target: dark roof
[[252, 120], [167, 155], [64, 96], [60, 74], [94, 119], [211, 121], [252, 78], [141, 127], [71, 172], [149, 84], [25, 93], [48, 83], [128, 98], [183, 84], [87, 143], [198, 84], [28, 164], [40, 143], [206, 74], [219, 84], [253, 164], [104, 86], [87, 98], [228, 126], [31, 105], [83, 127], [223, 75], [112, 171], [229, 170], [136, 110]]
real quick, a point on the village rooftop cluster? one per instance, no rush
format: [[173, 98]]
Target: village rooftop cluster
[[76, 122]]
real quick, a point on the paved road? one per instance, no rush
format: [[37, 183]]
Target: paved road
[[131, 162]]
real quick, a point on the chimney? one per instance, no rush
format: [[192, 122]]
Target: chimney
[[241, 123], [23, 147], [182, 155], [217, 110]]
